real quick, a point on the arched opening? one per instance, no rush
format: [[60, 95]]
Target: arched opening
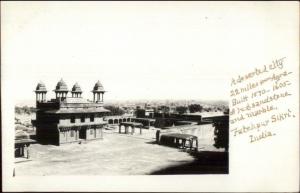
[[110, 121], [124, 120], [120, 120], [116, 121]]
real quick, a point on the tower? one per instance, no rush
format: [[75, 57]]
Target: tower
[[40, 92], [76, 91], [98, 92], [61, 90]]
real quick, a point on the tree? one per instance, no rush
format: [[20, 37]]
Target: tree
[[18, 110], [24, 110], [195, 108], [221, 133], [165, 109], [226, 111], [115, 110], [181, 109]]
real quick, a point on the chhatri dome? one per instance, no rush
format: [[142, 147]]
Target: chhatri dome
[[76, 88], [41, 87], [61, 86], [98, 92], [98, 87], [40, 92]]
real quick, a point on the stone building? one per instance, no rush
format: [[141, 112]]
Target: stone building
[[69, 119]]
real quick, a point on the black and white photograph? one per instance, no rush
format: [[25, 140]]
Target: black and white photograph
[[180, 93], [69, 134]]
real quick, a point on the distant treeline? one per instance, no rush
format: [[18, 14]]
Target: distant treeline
[[114, 110], [194, 108], [25, 110]]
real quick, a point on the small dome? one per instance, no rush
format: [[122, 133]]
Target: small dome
[[41, 87], [76, 88], [98, 87], [61, 86]]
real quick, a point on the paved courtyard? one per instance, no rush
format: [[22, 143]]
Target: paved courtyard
[[116, 154]]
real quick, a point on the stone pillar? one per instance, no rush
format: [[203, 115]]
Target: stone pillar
[[132, 130], [120, 128], [140, 130], [27, 152], [157, 136], [22, 149]]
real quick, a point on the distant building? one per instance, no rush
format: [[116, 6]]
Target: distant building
[[69, 119], [22, 143], [144, 113]]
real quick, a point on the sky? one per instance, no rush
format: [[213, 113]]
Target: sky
[[138, 50]]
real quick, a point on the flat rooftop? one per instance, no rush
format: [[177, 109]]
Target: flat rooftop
[[178, 135]]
